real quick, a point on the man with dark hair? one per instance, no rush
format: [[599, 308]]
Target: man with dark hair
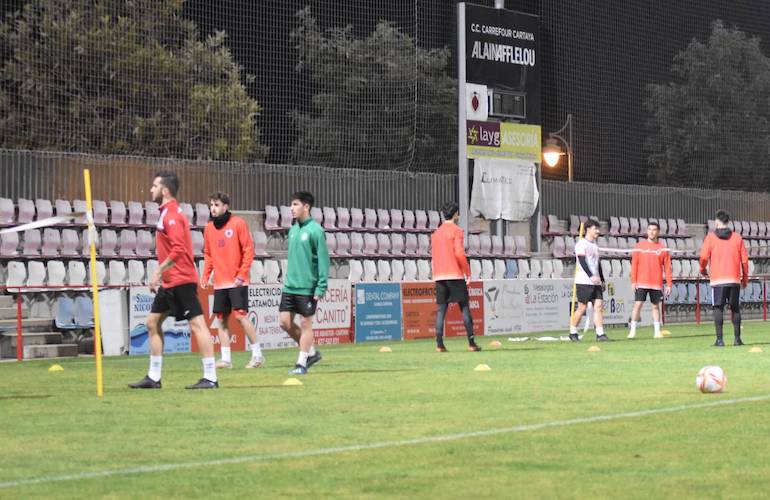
[[451, 273], [305, 281], [589, 282], [725, 255], [649, 261], [228, 251], [178, 292]]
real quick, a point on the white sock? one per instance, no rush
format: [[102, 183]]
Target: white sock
[[209, 369], [302, 358], [599, 331], [633, 326], [656, 327], [256, 351], [156, 363], [572, 329], [226, 356], [311, 352]]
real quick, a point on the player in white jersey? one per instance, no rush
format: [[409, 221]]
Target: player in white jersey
[[589, 282]]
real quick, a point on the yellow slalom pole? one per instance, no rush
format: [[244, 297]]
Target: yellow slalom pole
[[574, 285], [94, 286]]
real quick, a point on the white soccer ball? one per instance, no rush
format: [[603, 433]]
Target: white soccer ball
[[711, 379]]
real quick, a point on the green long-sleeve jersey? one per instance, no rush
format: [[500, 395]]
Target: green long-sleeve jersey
[[308, 266]]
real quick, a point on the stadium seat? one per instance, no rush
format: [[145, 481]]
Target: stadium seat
[[624, 228], [420, 221], [151, 213], [615, 225], [434, 220], [485, 244], [272, 271], [259, 240], [383, 220], [410, 270], [634, 228], [603, 242], [284, 264], [383, 244], [329, 219], [64, 319], [108, 240], [101, 273], [626, 268], [202, 214], [523, 266], [331, 245], [31, 243], [9, 245], [383, 270], [117, 273], [511, 269], [397, 270], [356, 244], [56, 272], [15, 274], [370, 244], [535, 268], [370, 271], [569, 243], [370, 222], [343, 245], [272, 218], [552, 226], [287, 219], [761, 229], [136, 273], [189, 213], [408, 222], [356, 271], [397, 244], [256, 272], [128, 243], [474, 245], [51, 242], [317, 214], [574, 224], [410, 246], [423, 245], [7, 212], [498, 249], [144, 243], [118, 213], [499, 269], [84, 312], [26, 211], [509, 245], [487, 269], [135, 214], [676, 268], [63, 207], [43, 209], [546, 269], [197, 243], [396, 219], [521, 245], [558, 268], [36, 274], [606, 268], [423, 270], [76, 273], [617, 268]]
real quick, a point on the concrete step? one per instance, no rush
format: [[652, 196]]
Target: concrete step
[[7, 301], [8, 341], [50, 351], [27, 324], [10, 312]]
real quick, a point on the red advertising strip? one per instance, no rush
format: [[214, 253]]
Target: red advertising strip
[[237, 337], [418, 301]]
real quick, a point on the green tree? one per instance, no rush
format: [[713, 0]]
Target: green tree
[[712, 124], [378, 102], [121, 77]]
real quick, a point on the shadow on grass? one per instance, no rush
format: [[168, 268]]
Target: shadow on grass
[[27, 396]]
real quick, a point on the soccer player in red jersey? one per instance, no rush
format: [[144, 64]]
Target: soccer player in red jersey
[[648, 263]]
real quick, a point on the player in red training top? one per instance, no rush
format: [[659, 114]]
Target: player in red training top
[[649, 261], [176, 283], [228, 251]]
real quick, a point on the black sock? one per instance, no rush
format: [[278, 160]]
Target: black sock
[[737, 324], [718, 321], [468, 322], [440, 315]]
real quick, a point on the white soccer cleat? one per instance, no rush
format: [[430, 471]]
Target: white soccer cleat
[[223, 364], [256, 362], [631, 335], [657, 336]]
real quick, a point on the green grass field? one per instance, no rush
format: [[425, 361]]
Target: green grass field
[[550, 420]]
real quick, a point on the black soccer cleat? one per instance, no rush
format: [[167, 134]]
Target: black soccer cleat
[[146, 383], [603, 338], [719, 343], [311, 360], [573, 337], [204, 383], [737, 341], [474, 347], [441, 348]]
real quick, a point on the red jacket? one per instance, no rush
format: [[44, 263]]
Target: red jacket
[[448, 253], [228, 252], [174, 242], [724, 253], [648, 264]]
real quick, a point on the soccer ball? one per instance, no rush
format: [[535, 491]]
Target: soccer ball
[[711, 379]]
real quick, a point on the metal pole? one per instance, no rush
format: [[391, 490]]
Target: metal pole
[[569, 149], [538, 229], [462, 160], [19, 336], [499, 4], [697, 301]]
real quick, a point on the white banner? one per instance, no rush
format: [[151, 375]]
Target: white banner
[[504, 189]]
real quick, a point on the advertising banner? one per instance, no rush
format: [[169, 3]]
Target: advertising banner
[[176, 333], [237, 336], [419, 311], [507, 141], [504, 189], [378, 311]]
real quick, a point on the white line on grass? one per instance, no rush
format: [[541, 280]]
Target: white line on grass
[[151, 469]]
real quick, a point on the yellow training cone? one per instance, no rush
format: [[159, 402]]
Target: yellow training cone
[[292, 381], [482, 368], [594, 348], [495, 344], [665, 333], [385, 349], [755, 349], [56, 368]]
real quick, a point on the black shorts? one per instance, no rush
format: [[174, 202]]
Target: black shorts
[[231, 299], [303, 305], [448, 291], [726, 294], [588, 293], [642, 293], [180, 302]]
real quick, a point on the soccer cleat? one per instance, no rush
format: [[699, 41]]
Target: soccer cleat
[[603, 338], [223, 364], [255, 362], [737, 341], [146, 383], [441, 348], [657, 336], [298, 370], [311, 360], [631, 335], [719, 343], [574, 337], [474, 348], [204, 383]]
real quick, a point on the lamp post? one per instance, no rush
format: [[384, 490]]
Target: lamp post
[[552, 150]]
